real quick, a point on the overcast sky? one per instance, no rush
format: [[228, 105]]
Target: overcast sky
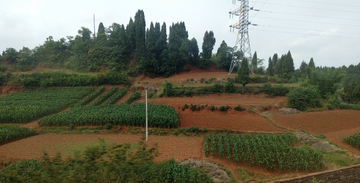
[[327, 30]]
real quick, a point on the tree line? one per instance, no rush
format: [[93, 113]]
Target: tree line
[[131, 47]]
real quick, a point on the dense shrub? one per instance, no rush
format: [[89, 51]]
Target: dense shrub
[[258, 79], [274, 90], [301, 98], [230, 87], [217, 88], [62, 79], [1, 79], [239, 108], [169, 90]]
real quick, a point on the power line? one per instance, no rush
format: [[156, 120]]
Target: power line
[[309, 15], [304, 29], [336, 4], [310, 21], [258, 10], [303, 33], [328, 3], [347, 11]]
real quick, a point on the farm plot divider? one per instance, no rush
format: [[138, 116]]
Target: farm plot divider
[[271, 151]]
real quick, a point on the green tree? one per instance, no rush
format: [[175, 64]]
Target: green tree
[[140, 49], [352, 88], [275, 62], [10, 55], [310, 68], [223, 56], [254, 62], [303, 69], [101, 35], [176, 62], [26, 60], [270, 69], [130, 32], [243, 73], [207, 47]]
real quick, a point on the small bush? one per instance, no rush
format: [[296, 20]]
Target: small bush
[[185, 107], [217, 88], [224, 108], [212, 108], [239, 108], [202, 80], [230, 87], [108, 126]]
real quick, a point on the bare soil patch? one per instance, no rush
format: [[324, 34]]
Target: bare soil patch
[[196, 75], [234, 120], [335, 125], [8, 89]]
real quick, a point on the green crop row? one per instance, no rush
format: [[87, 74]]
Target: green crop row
[[353, 140], [269, 151], [9, 133], [123, 114], [115, 97], [105, 96], [133, 97], [90, 97], [27, 105]]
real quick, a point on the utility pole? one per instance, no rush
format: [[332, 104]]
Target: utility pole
[[242, 41], [146, 115], [94, 27]]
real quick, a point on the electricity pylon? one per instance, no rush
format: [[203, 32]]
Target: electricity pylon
[[242, 41]]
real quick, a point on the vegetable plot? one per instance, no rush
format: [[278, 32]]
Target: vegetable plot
[[273, 152], [27, 105], [9, 133], [353, 140], [123, 114], [90, 97], [133, 97], [115, 97], [105, 96]]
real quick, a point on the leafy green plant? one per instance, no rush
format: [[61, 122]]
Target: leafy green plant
[[230, 87], [353, 140], [105, 96], [123, 114], [238, 108], [119, 94], [9, 133], [136, 95], [27, 105]]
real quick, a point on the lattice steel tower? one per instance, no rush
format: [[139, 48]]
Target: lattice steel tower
[[242, 42]]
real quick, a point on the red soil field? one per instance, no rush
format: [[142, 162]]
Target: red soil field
[[234, 120], [335, 125], [177, 147]]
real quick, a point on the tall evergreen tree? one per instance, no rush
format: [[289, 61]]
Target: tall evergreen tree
[[274, 63], [303, 69], [223, 56], [208, 44], [140, 50], [101, 36], [243, 73], [254, 62], [130, 32], [270, 69]]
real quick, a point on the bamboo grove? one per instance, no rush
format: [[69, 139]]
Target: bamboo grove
[[269, 151], [27, 105], [123, 114]]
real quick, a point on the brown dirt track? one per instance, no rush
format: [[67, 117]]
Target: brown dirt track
[[177, 147], [335, 124]]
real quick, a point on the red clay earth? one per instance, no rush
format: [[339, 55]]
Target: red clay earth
[[177, 147], [335, 125]]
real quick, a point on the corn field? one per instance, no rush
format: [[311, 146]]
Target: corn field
[[123, 114], [118, 95], [104, 96], [9, 133], [133, 97], [353, 140], [270, 151], [27, 105], [90, 97]]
